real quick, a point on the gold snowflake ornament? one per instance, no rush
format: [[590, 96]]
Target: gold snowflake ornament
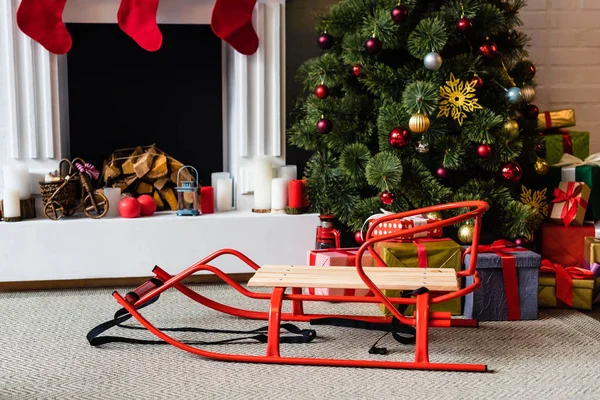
[[458, 98], [537, 200]]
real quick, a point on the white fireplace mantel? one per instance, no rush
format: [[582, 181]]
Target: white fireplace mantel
[[34, 130]]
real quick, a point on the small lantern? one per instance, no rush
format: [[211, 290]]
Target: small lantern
[[187, 194]]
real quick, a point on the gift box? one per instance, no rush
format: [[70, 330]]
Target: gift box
[[509, 283], [556, 119], [566, 142], [561, 286], [338, 258], [422, 253], [396, 225], [570, 203], [591, 254], [564, 245]]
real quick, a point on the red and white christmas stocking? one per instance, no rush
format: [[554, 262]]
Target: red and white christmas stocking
[[232, 21], [42, 21], [137, 18]]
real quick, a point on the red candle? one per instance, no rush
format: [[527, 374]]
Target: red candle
[[296, 194], [207, 200]]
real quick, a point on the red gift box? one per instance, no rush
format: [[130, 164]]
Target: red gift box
[[565, 245], [396, 225]]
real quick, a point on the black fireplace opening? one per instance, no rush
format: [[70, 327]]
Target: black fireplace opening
[[122, 96]]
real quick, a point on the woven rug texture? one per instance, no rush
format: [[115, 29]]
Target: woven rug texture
[[44, 355]]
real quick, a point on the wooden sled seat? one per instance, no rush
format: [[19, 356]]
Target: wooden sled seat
[[434, 279]]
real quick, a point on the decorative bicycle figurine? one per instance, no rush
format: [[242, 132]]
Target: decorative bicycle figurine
[[95, 204]]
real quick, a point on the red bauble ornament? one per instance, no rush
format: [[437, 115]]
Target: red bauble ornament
[[399, 14], [358, 237], [373, 45], [325, 41], [148, 205], [538, 148], [129, 207], [484, 150], [464, 25], [387, 198], [357, 69], [531, 111], [477, 81], [322, 91], [519, 241], [512, 172], [442, 173], [324, 126], [399, 137], [489, 49]]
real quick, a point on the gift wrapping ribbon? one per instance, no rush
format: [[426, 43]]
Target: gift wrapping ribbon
[[572, 199], [569, 162], [564, 279], [351, 254], [88, 169], [502, 248]]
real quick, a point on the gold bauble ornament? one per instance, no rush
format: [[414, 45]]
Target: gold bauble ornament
[[465, 234], [511, 128], [541, 167], [528, 94], [434, 215], [418, 123]]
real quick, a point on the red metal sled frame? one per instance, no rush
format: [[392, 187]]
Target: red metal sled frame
[[422, 320]]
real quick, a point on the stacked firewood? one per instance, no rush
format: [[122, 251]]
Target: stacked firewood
[[146, 170]]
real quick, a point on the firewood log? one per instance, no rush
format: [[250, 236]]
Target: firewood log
[[127, 166], [174, 168], [160, 183], [169, 197], [160, 205], [144, 163], [159, 168], [110, 172], [144, 188]]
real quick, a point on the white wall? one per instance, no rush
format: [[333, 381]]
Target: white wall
[[566, 50]]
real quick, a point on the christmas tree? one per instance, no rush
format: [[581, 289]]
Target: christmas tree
[[414, 103]]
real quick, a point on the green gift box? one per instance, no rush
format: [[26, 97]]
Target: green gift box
[[570, 169], [431, 253], [576, 143], [583, 291]]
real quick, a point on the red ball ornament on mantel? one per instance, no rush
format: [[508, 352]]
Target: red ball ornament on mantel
[[464, 25], [322, 91], [357, 69], [512, 172], [324, 126], [399, 137], [358, 237], [489, 49], [484, 150], [129, 207], [373, 45], [442, 173], [531, 111], [148, 205], [399, 14], [325, 41], [387, 198], [476, 81]]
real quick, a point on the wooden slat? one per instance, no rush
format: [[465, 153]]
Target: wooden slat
[[347, 277]]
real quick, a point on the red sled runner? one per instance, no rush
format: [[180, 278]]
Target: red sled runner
[[421, 287]]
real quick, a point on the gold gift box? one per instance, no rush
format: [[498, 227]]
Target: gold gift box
[[556, 119], [583, 291], [591, 250], [558, 207]]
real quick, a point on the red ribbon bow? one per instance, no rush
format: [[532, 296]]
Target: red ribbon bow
[[572, 199], [564, 279], [509, 273], [88, 169]]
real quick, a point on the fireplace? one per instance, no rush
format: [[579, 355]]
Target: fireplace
[[44, 119]]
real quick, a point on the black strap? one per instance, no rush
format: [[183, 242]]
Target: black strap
[[403, 333], [122, 315]]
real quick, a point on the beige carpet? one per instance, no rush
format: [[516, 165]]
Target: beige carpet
[[44, 355]]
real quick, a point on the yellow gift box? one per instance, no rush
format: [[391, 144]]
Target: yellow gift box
[[556, 119]]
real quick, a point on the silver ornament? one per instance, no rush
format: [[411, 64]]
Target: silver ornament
[[528, 94], [514, 95], [422, 147], [433, 61]]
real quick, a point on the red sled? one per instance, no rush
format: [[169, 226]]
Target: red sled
[[424, 285]]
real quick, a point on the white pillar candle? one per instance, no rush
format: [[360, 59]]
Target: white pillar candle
[[224, 192], [114, 198], [11, 203], [17, 177], [288, 172], [279, 190], [263, 174], [214, 178]]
